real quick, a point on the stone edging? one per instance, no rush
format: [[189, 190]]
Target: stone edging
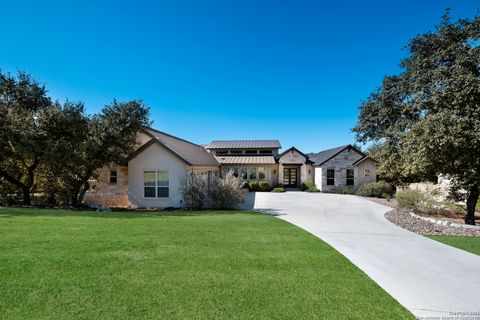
[[444, 223]]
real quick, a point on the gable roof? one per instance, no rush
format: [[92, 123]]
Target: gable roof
[[307, 159], [325, 155], [363, 159], [243, 144], [191, 153]]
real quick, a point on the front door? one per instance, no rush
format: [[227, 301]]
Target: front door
[[290, 177]]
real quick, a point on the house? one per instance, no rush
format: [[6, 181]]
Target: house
[[153, 176]]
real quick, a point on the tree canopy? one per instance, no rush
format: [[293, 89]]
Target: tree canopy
[[426, 120], [57, 148]]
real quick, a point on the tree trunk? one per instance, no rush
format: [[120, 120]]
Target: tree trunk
[[74, 195], [472, 199], [84, 189], [26, 196]]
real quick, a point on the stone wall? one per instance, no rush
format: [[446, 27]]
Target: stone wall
[[340, 163], [107, 194]]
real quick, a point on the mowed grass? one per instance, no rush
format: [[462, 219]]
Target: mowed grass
[[184, 265], [470, 244]]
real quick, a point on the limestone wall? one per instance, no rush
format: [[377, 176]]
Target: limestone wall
[[107, 194]]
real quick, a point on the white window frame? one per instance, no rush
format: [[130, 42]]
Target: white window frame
[[156, 184]]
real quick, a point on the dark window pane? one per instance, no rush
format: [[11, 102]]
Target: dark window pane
[[330, 173], [149, 192], [162, 192], [350, 182]]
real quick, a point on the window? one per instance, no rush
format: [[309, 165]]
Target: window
[[330, 177], [222, 152], [156, 184], [265, 151], [350, 177], [367, 172], [261, 173], [235, 151], [252, 173], [243, 173], [113, 176], [234, 171], [250, 151]]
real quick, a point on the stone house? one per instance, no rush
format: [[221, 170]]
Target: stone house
[[152, 177]]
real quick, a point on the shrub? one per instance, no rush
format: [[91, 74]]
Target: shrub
[[195, 191], [307, 184], [254, 186], [278, 189], [227, 192], [224, 193], [380, 189], [280, 185], [411, 199], [264, 186]]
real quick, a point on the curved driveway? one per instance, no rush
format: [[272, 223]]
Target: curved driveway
[[427, 277]]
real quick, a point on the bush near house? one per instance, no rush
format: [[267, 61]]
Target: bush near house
[[343, 190], [379, 189], [309, 186], [224, 193], [265, 186], [278, 189]]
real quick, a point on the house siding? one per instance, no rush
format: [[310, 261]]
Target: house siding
[[156, 157]]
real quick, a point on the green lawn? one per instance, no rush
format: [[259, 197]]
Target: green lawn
[[232, 265], [470, 244]]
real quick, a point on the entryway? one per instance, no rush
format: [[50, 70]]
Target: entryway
[[290, 176]]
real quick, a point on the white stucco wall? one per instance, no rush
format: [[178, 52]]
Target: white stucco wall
[[155, 157]]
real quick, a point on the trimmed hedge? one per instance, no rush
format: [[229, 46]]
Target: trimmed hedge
[[278, 189]]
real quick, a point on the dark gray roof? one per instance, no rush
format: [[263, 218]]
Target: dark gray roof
[[325, 155], [191, 153], [246, 159], [244, 144]]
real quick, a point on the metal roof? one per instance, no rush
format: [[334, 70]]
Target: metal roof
[[246, 159], [191, 153], [244, 144]]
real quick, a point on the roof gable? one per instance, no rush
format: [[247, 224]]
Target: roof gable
[[325, 155], [189, 152]]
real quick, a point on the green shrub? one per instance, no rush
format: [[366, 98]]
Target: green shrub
[[278, 189], [307, 185], [254, 186], [376, 189], [280, 185], [411, 199], [312, 189], [265, 186]]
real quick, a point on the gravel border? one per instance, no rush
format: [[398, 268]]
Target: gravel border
[[423, 226]]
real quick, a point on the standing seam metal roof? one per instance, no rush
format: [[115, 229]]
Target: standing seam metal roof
[[246, 160], [244, 144]]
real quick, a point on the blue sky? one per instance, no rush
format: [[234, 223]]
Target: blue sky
[[289, 70]]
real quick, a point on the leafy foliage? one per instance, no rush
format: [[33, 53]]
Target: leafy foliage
[[427, 119], [379, 189]]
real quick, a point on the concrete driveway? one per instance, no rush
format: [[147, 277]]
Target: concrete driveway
[[427, 277]]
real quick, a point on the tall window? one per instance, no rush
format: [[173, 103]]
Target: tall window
[[156, 184], [350, 177], [243, 173], [252, 173], [261, 173], [330, 177], [367, 172], [113, 176]]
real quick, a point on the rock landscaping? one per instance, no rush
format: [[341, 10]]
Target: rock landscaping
[[430, 226]]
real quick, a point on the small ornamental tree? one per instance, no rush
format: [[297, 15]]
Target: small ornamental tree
[[428, 116]]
